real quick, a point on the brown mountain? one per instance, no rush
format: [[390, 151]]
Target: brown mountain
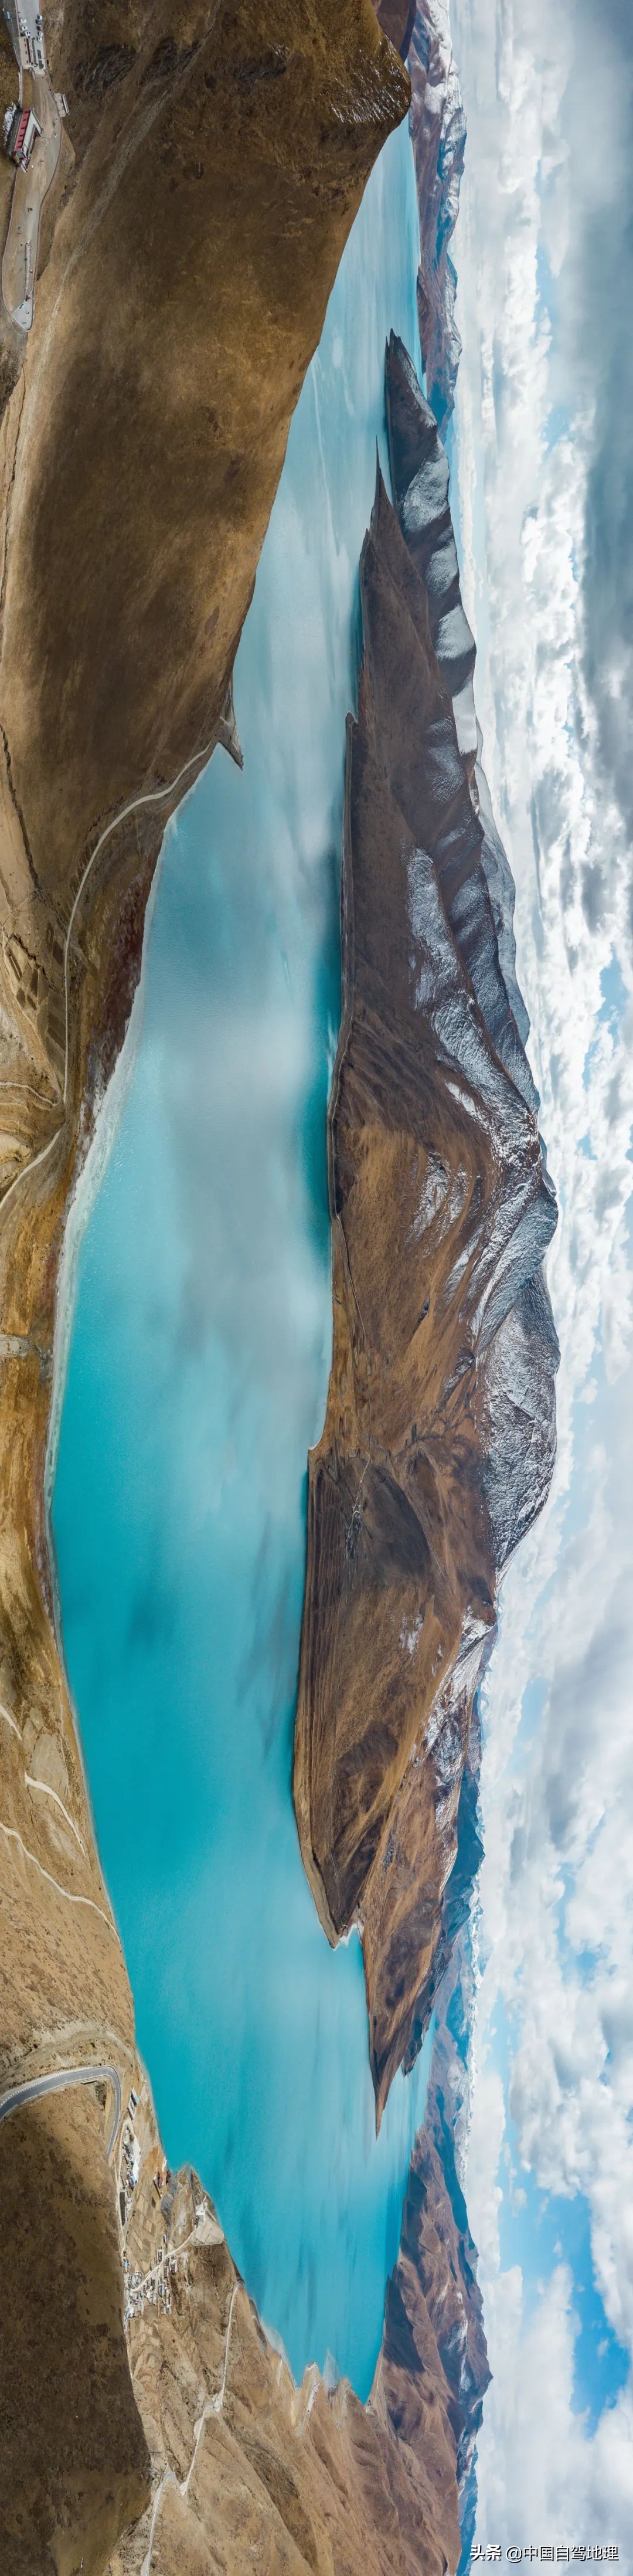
[[213, 160], [438, 1443]]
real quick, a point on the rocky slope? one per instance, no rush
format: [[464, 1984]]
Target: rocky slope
[[422, 35], [397, 20], [438, 127], [438, 1444], [433, 2367]]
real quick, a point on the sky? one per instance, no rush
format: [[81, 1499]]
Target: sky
[[543, 458]]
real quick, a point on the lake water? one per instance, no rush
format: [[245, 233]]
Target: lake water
[[197, 1380]]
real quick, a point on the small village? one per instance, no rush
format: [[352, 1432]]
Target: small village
[[148, 2193], [31, 134], [143, 2289]]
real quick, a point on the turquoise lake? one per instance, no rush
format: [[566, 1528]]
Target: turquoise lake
[[196, 1382]]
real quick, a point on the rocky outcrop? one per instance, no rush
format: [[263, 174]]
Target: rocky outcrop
[[449, 2106], [421, 32], [397, 18], [438, 1444], [213, 161], [438, 128], [433, 2368]]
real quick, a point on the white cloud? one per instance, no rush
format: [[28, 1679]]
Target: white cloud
[[546, 105], [540, 2477]]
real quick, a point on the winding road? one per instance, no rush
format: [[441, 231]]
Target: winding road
[[58, 2083]]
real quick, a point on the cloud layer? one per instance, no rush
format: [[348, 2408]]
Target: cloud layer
[[545, 270]]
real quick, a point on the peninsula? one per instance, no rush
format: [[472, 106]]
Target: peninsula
[[438, 1446]]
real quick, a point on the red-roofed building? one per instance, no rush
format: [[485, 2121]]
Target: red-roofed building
[[19, 133]]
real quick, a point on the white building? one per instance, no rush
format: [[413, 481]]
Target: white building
[[32, 50], [20, 130]]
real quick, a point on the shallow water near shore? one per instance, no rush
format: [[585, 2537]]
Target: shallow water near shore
[[197, 1380]]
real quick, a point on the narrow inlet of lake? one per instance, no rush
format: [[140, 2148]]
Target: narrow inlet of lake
[[197, 1380]]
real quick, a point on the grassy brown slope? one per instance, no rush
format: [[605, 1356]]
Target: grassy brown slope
[[214, 163]]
